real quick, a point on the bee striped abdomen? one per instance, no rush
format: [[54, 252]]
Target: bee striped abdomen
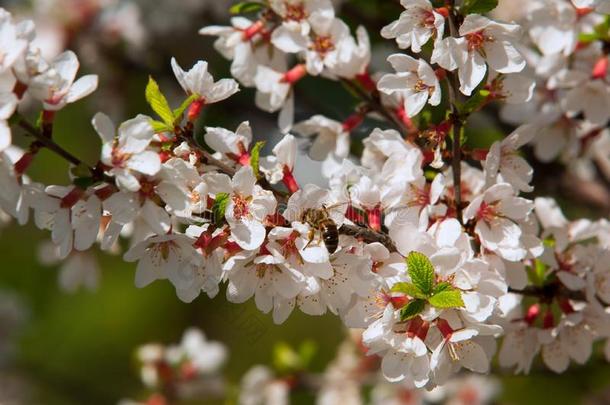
[[330, 234]]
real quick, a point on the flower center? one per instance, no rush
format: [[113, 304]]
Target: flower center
[[323, 44], [119, 158], [289, 247], [477, 40], [195, 197], [421, 197], [161, 251], [428, 19], [241, 208], [147, 189], [487, 212], [420, 86], [295, 12]]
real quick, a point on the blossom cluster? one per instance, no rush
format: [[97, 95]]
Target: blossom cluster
[[426, 244], [193, 370], [565, 46]]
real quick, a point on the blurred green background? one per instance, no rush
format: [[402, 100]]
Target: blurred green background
[[78, 348]]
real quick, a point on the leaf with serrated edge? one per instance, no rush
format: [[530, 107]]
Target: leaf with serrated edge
[[220, 206], [421, 272], [159, 126], [158, 102], [255, 156], [450, 298], [179, 112], [408, 289], [245, 7], [412, 309], [479, 6]]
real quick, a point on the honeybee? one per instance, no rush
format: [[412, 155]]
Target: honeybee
[[320, 220]]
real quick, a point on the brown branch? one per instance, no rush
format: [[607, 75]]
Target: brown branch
[[368, 235], [457, 121], [548, 293]]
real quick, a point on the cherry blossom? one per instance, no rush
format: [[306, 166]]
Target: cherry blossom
[[415, 79], [56, 86], [127, 154], [483, 42]]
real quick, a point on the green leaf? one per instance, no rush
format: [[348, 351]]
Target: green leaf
[[412, 309], [421, 272], [158, 102], [219, 207], [537, 273], [441, 287], [587, 37], [159, 126], [307, 351], [246, 7], [478, 6], [255, 157], [448, 298], [285, 359], [179, 112], [408, 289]]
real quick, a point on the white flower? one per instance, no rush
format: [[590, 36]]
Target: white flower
[[248, 206], [160, 257], [416, 25], [198, 81], [601, 6], [553, 26], [56, 86], [266, 276], [413, 202], [79, 269], [205, 271], [503, 158], [233, 145], [459, 348], [235, 44], [404, 356], [205, 356], [299, 19], [415, 79], [326, 47], [356, 66], [128, 152], [259, 387], [482, 41], [332, 137], [280, 166], [381, 145], [516, 88], [182, 188], [12, 44], [72, 216], [497, 212], [275, 92], [591, 97], [8, 105]]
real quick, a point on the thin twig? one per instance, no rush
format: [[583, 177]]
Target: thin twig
[[454, 96], [550, 292], [368, 235]]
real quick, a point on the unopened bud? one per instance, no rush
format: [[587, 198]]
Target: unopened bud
[[600, 70], [295, 74]]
